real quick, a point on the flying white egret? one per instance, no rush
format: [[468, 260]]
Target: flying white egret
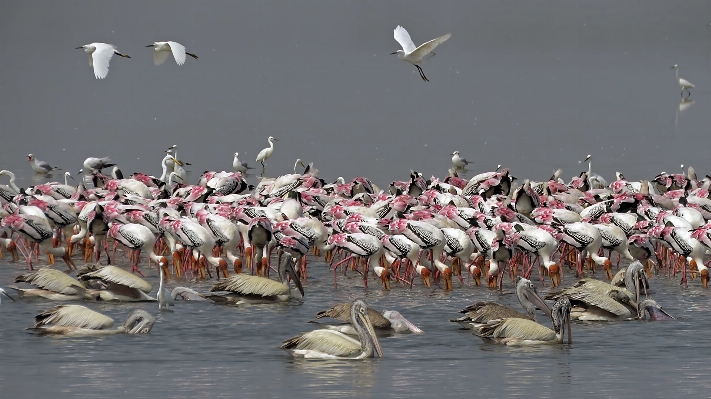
[[415, 55], [683, 83], [266, 153], [161, 50], [99, 56]]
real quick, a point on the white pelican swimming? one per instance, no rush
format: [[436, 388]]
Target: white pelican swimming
[[329, 344], [77, 320]]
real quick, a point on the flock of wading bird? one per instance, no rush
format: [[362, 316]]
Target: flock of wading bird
[[418, 231]]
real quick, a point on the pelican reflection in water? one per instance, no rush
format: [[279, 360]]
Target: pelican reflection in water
[[329, 344]]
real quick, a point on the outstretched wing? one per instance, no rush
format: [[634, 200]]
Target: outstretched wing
[[178, 52], [403, 38], [101, 57], [427, 47], [73, 316]]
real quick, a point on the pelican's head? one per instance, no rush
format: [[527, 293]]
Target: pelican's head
[[654, 309], [529, 298], [287, 268], [560, 315], [139, 322], [360, 320]]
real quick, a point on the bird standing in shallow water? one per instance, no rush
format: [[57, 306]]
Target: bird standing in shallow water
[[266, 153], [683, 83]]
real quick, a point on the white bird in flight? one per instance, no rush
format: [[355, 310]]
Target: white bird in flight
[[266, 153], [415, 55], [99, 56], [683, 83], [161, 50]]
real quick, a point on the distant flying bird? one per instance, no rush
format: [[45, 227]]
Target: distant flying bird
[[161, 50], [266, 153], [40, 166], [99, 56], [415, 55], [683, 83]]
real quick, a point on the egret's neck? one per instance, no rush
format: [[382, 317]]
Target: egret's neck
[[677, 74], [66, 182]]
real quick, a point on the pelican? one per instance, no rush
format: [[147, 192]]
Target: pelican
[[51, 284], [242, 288], [514, 331], [266, 153], [599, 301], [78, 321], [2, 292], [482, 313], [186, 294], [655, 311], [342, 312], [329, 344], [116, 284]]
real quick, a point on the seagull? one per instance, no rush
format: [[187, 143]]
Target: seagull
[[161, 50], [415, 55], [266, 153], [240, 166], [458, 161], [40, 166], [92, 164], [99, 56], [683, 83]]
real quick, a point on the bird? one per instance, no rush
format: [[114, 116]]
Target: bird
[[92, 164], [99, 56], [2, 292], [161, 50], [330, 344], [683, 83], [415, 55], [342, 311], [482, 313], [513, 331], [77, 320], [52, 284], [266, 153], [458, 161], [655, 311], [115, 284], [40, 166], [165, 298], [243, 288], [240, 166]]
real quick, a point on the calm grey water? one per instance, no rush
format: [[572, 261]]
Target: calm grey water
[[532, 85], [205, 350]]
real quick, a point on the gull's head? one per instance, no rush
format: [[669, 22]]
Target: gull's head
[[236, 154], [30, 157], [455, 153]]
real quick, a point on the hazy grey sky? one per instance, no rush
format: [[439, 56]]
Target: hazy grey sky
[[532, 85]]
